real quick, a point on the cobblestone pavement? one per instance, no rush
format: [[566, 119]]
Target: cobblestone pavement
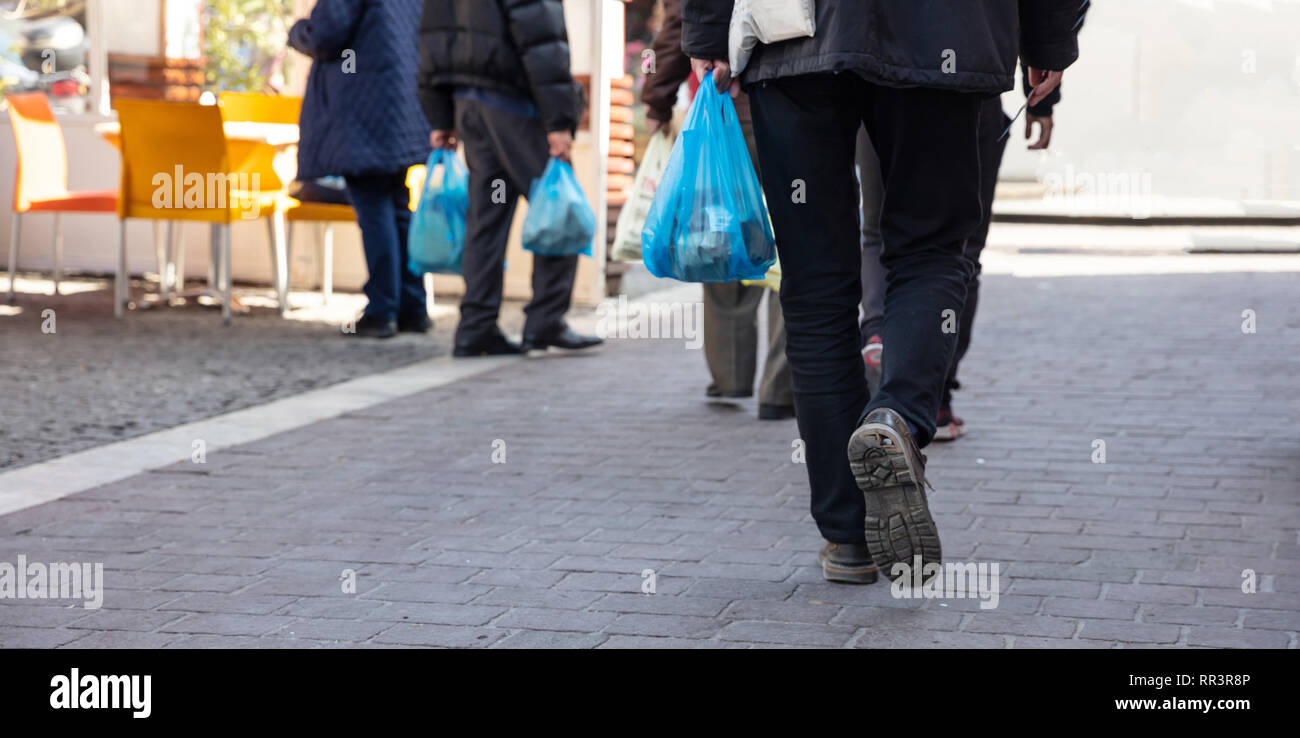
[[615, 464], [96, 380]]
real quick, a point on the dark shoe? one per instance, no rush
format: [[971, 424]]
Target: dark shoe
[[713, 391], [494, 345], [871, 359], [566, 339], [948, 427], [370, 326], [890, 471], [847, 562], [414, 323], [775, 412]]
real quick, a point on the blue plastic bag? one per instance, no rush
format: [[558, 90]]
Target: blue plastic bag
[[708, 221], [436, 239], [559, 220]]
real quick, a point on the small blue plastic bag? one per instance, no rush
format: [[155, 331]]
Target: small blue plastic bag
[[708, 221], [559, 220], [436, 239]]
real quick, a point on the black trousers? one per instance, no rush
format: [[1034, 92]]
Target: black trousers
[[925, 139], [993, 121], [505, 153]]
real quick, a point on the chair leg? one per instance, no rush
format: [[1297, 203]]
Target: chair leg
[[280, 249], [327, 264], [13, 252], [160, 254], [58, 250], [120, 288], [214, 257], [225, 274], [177, 239]]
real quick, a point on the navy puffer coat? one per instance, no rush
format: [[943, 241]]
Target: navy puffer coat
[[361, 113]]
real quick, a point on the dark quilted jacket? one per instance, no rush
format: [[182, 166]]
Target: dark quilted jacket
[[516, 47], [361, 113], [966, 45]]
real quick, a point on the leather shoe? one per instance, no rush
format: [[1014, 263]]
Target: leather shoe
[[414, 323], [495, 344], [890, 470], [565, 338], [847, 562], [370, 326]]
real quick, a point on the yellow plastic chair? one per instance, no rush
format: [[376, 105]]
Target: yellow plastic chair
[[243, 106], [248, 107], [41, 182], [176, 166]]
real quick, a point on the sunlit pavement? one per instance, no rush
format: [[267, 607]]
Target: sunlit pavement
[[603, 501]]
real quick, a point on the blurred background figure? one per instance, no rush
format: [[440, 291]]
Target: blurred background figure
[[730, 309], [496, 72], [361, 119]]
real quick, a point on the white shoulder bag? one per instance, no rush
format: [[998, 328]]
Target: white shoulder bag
[[767, 21]]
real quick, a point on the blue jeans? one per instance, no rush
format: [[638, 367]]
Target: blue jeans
[[382, 202]]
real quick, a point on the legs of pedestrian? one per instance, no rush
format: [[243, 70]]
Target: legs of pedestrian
[[993, 121], [731, 337], [392, 292], [807, 128], [775, 397], [872, 320]]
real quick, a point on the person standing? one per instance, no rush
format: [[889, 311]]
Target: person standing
[[495, 74], [730, 308], [361, 119], [914, 75]]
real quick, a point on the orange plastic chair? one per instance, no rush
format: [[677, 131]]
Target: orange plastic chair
[[175, 166], [41, 185]]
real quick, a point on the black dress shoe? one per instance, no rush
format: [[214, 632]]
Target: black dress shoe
[[566, 339], [775, 412], [713, 391], [414, 323], [494, 345], [370, 326], [850, 563]]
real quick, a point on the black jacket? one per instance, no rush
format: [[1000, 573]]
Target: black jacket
[[516, 47], [965, 45]]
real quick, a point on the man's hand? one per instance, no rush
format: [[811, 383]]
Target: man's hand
[[561, 143], [443, 139], [1044, 131], [1043, 81], [721, 73]]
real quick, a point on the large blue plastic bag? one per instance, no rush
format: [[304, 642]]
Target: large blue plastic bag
[[708, 221], [559, 220], [436, 239]]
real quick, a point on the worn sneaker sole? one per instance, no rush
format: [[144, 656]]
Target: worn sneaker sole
[[833, 573], [898, 523]]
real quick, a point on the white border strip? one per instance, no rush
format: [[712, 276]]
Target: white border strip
[[83, 470]]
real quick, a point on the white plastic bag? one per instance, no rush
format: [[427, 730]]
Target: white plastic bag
[[767, 21], [627, 234]]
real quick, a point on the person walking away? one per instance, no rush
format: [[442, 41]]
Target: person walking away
[[361, 119], [891, 67], [730, 308], [495, 74], [993, 126]]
